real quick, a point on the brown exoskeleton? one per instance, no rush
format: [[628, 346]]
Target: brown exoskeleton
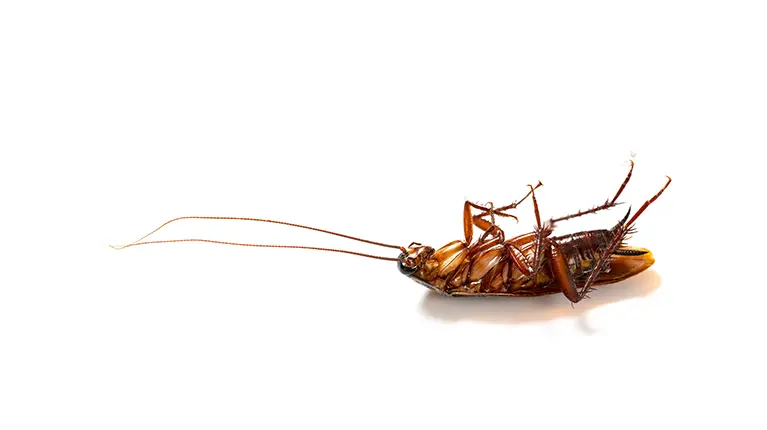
[[532, 264]]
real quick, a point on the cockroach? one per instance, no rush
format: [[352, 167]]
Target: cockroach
[[533, 264]]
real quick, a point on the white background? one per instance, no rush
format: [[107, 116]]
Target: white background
[[378, 121]]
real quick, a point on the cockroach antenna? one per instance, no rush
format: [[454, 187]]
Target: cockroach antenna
[[141, 241]]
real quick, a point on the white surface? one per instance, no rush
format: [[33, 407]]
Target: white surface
[[377, 121]]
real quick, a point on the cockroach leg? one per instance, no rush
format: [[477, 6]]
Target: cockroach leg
[[541, 232], [515, 204], [606, 205], [468, 228], [490, 227], [562, 276], [535, 207], [469, 221], [566, 283], [625, 182], [501, 211]]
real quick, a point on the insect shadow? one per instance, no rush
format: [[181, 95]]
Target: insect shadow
[[501, 310]]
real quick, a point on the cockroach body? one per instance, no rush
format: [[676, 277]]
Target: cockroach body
[[532, 264], [493, 268]]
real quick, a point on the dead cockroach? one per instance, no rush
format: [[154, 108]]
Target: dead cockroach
[[533, 264]]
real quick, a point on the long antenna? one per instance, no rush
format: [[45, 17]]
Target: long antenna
[[140, 240], [313, 248]]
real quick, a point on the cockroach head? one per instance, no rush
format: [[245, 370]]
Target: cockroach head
[[413, 258]]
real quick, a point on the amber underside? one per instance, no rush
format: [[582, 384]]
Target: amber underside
[[492, 268], [533, 264]]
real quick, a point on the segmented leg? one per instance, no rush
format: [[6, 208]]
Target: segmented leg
[[501, 210], [606, 205], [562, 274], [490, 230], [541, 232], [470, 221], [489, 227]]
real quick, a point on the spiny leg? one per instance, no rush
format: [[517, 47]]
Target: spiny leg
[[501, 211], [545, 248], [540, 234], [515, 204], [563, 278], [479, 221], [489, 227], [562, 273], [606, 205], [625, 182]]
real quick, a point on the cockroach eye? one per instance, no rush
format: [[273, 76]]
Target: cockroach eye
[[408, 271]]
